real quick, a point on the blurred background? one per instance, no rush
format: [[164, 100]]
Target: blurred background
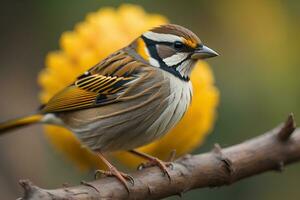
[[257, 75]]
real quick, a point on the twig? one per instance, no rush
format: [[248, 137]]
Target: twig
[[288, 128], [270, 151]]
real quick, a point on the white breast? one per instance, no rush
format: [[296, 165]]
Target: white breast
[[179, 101]]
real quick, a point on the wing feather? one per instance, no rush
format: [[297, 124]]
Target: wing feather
[[100, 85], [70, 98]]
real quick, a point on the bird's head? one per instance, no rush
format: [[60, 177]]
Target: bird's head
[[172, 48]]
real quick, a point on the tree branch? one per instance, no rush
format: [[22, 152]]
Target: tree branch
[[270, 151]]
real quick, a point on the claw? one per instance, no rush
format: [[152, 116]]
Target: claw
[[144, 165], [129, 178], [122, 177], [170, 165], [98, 173], [163, 166], [154, 162], [140, 167]]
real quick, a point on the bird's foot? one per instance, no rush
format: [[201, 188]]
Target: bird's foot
[[159, 163], [122, 177]]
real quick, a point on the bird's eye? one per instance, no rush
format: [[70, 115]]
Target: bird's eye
[[178, 45]]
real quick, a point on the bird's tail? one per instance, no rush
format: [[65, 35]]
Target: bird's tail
[[20, 122]]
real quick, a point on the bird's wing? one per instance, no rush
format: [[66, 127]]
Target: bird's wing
[[102, 84]]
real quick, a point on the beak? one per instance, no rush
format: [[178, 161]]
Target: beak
[[203, 52]]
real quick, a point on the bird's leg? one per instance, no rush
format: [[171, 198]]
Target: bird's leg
[[153, 161], [113, 171]]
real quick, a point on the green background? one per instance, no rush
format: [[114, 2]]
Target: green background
[[257, 75]]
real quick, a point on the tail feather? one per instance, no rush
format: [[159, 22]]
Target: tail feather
[[20, 122]]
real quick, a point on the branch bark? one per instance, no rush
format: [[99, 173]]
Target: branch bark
[[270, 151]]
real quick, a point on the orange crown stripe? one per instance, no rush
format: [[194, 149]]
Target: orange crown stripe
[[190, 43]]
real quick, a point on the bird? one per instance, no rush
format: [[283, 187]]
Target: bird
[[131, 98]]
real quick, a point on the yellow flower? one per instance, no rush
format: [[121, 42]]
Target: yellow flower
[[100, 34]]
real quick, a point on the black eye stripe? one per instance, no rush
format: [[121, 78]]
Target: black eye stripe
[[171, 44], [151, 45], [178, 45], [185, 48]]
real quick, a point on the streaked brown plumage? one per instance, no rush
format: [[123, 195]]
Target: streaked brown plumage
[[132, 97]]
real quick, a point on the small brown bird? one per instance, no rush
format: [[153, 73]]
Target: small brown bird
[[129, 99]]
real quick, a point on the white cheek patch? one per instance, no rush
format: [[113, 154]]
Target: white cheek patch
[[162, 37], [153, 62], [175, 59]]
